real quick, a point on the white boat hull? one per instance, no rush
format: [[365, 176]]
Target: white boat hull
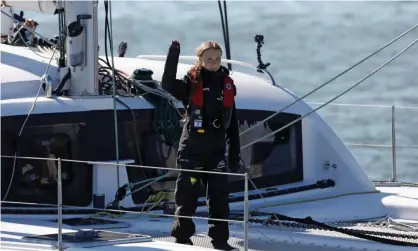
[[16, 228]]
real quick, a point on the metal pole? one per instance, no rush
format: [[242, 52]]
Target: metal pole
[[393, 145], [246, 213], [59, 182]]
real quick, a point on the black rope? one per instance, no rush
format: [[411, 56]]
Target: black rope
[[308, 222]]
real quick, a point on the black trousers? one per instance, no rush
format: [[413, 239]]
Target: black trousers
[[187, 192]]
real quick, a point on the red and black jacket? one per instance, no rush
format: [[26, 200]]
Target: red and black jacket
[[181, 90], [189, 90], [196, 102]]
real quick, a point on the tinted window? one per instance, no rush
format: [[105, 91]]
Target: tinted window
[[36, 180], [271, 155], [272, 161]]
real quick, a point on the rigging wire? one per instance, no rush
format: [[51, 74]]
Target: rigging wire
[[225, 31], [329, 81], [108, 8], [331, 100], [114, 91]]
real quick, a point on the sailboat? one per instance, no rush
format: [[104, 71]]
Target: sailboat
[[89, 148]]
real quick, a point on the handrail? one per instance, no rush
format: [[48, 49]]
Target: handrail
[[190, 58], [379, 145], [117, 211], [59, 192], [371, 106], [364, 105], [394, 146], [127, 165]]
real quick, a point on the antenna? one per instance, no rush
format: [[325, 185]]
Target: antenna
[[259, 39]]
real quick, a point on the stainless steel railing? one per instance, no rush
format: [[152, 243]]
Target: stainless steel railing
[[60, 206], [393, 145]]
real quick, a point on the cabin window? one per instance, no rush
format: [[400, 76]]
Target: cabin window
[[36, 180], [275, 160], [274, 154]]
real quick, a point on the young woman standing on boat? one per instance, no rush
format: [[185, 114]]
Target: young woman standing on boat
[[207, 93]]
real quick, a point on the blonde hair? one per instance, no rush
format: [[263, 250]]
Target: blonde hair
[[199, 53]]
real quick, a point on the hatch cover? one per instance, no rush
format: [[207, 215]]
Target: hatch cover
[[90, 238]]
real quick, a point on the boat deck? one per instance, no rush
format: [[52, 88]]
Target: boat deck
[[261, 237], [273, 238]]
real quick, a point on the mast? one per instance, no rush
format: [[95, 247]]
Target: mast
[[82, 47]]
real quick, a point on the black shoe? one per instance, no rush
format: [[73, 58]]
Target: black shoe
[[223, 246], [185, 242]]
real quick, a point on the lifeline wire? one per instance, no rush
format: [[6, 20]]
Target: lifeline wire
[[331, 100], [329, 81]]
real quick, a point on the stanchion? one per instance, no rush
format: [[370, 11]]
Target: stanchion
[[246, 213], [393, 145], [59, 192]]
